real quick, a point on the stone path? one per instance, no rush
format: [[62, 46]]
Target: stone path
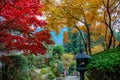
[[71, 78], [66, 78]]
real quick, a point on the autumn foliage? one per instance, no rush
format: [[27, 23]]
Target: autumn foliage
[[18, 21]]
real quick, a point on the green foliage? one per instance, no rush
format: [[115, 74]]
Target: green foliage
[[55, 63], [18, 70], [56, 66], [57, 52], [31, 58], [49, 49], [50, 76], [75, 43], [58, 69], [52, 62], [47, 72], [34, 76], [35, 61], [67, 60], [105, 65], [72, 67], [40, 61], [44, 70]]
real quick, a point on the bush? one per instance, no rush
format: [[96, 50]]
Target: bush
[[31, 58], [18, 70], [67, 59], [35, 61], [50, 76], [72, 67], [35, 76], [40, 61], [46, 73], [57, 52], [58, 69], [105, 65], [44, 70]]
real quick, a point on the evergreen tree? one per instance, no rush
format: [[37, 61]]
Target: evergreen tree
[[75, 43]]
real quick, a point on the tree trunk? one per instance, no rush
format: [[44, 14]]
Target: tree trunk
[[88, 41], [110, 40], [114, 43], [105, 41]]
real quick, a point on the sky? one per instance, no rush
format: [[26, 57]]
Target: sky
[[58, 39]]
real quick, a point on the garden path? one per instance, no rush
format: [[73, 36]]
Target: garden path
[[71, 78]]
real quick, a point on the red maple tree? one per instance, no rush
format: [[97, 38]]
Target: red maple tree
[[17, 18]]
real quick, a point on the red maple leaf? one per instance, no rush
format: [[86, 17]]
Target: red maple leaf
[[17, 18]]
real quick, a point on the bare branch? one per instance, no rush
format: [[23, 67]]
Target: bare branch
[[113, 3], [112, 9]]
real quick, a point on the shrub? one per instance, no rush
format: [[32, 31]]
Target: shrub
[[40, 61], [72, 67], [58, 70], [52, 62], [35, 76], [50, 76], [18, 70], [46, 73], [58, 51], [31, 58], [35, 61], [67, 60], [44, 70], [105, 65]]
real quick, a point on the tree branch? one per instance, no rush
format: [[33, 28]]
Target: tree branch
[[80, 33]]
